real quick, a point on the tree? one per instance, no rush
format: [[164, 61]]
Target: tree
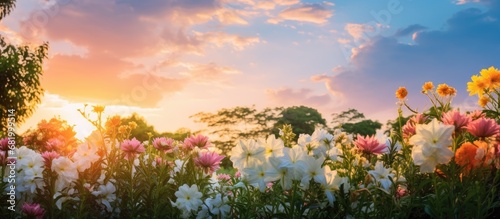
[[304, 120], [180, 134], [142, 130], [6, 7], [231, 124], [354, 122], [20, 71]]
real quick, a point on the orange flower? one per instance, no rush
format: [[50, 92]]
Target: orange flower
[[483, 100], [473, 155], [491, 77], [113, 122], [465, 156], [445, 90], [427, 87], [401, 93]]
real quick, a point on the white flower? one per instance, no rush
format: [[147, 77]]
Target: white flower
[[430, 145], [33, 178], [24, 156], [218, 205], [333, 183], [188, 198], [382, 175], [280, 170], [85, 155], [324, 141], [65, 168], [311, 169], [106, 195], [273, 146], [256, 175], [246, 153]]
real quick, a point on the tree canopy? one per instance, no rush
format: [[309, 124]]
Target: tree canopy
[[354, 122], [303, 120], [6, 7], [142, 130], [20, 71]]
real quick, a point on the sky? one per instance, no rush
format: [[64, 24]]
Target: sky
[[170, 59]]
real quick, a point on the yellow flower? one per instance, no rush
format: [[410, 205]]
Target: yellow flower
[[123, 129], [98, 109], [401, 93], [477, 85], [491, 77], [427, 86], [132, 125], [445, 90], [483, 100]]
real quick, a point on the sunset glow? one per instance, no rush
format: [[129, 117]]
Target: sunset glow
[[168, 60]]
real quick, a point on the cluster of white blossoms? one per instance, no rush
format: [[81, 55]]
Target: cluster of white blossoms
[[268, 161], [29, 168]]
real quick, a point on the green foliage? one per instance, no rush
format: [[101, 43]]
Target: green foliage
[[143, 130], [394, 126], [303, 120], [179, 135], [20, 71], [6, 7], [354, 122]]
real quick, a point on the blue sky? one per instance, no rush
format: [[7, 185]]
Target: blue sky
[[169, 59]]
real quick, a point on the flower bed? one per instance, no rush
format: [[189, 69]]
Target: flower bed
[[441, 163]]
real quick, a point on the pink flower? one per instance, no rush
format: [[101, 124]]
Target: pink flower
[[223, 177], [476, 114], [48, 157], [409, 128], [370, 145], [483, 127], [237, 174], [164, 144], [53, 144], [199, 141], [33, 210], [401, 192], [4, 144], [456, 119], [208, 161], [131, 148]]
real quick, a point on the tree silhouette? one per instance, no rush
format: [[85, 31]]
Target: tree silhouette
[[231, 124], [20, 71], [6, 7]]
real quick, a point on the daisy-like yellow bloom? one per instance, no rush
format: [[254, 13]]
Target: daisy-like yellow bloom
[[123, 129], [427, 87], [477, 85], [401, 93], [491, 77], [445, 90], [483, 100], [98, 109]]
